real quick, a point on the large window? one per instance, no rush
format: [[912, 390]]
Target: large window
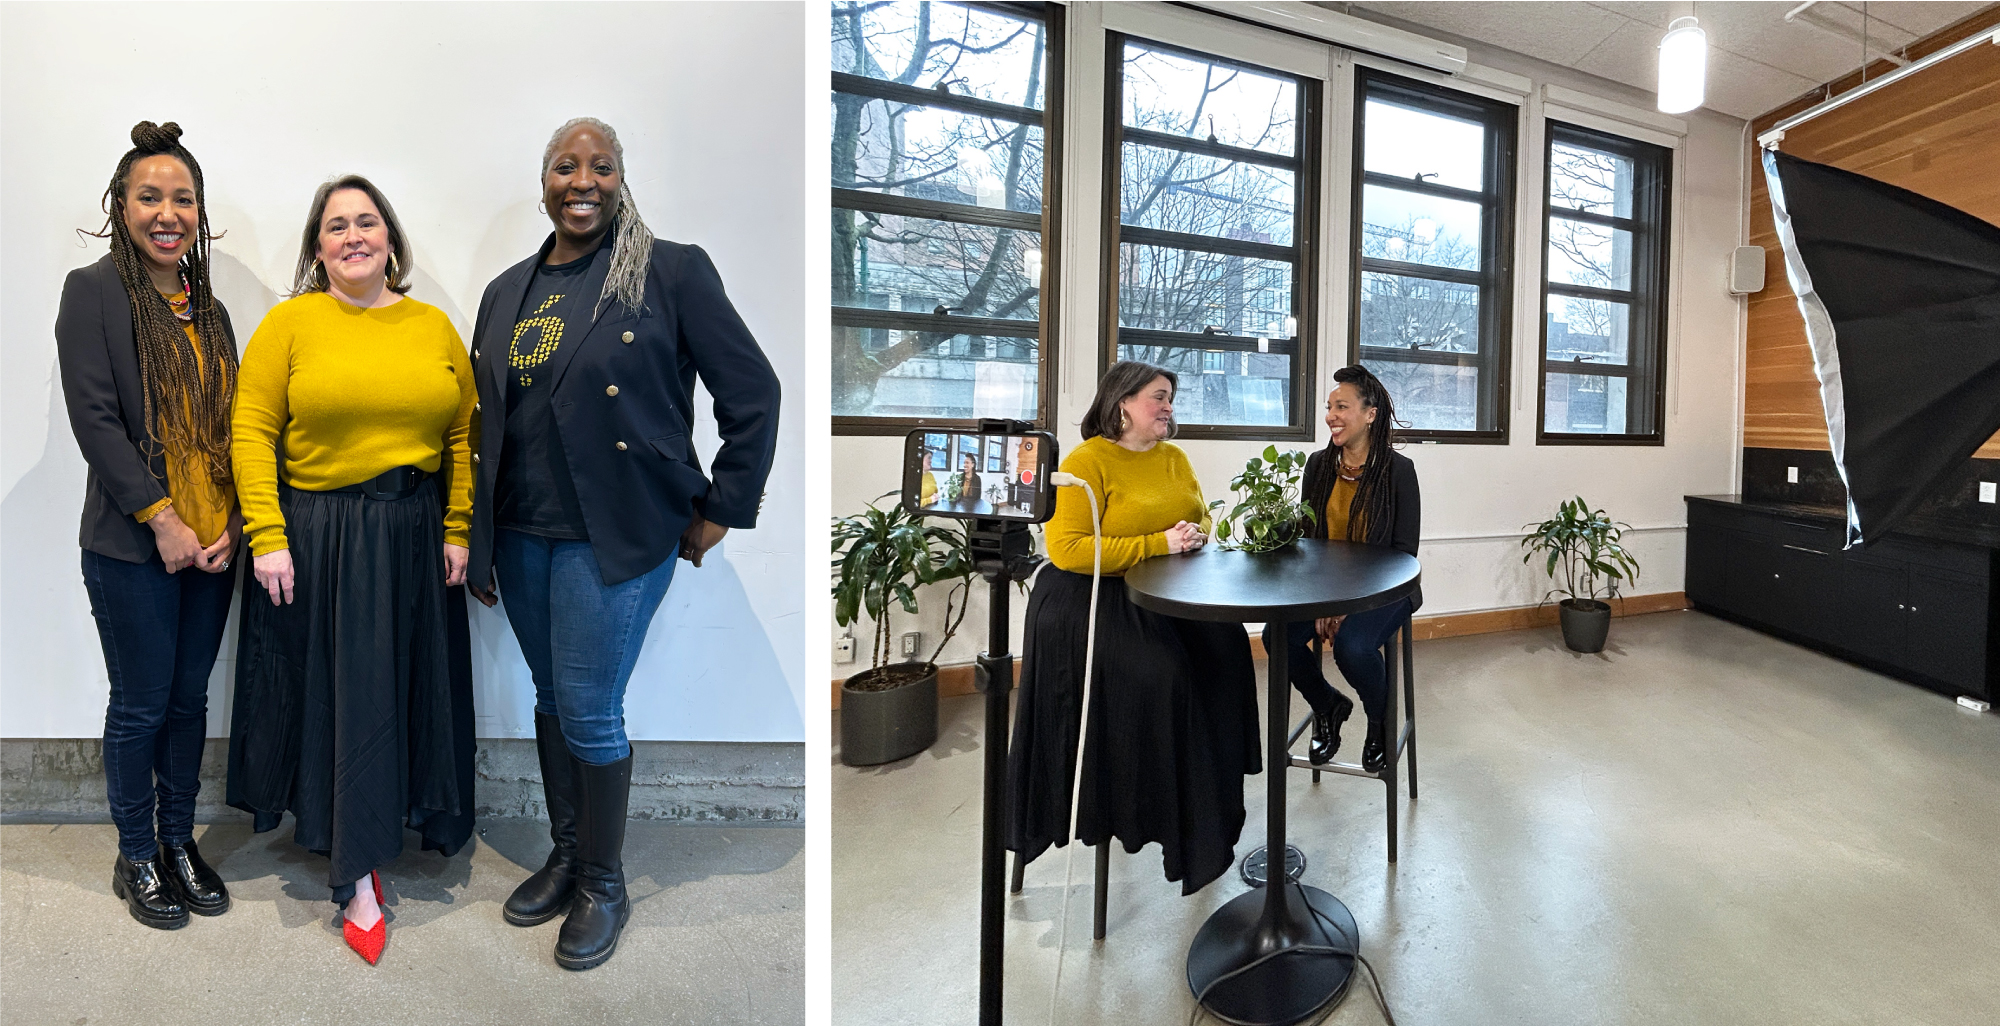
[[943, 171], [1208, 234], [1434, 179], [1603, 314]]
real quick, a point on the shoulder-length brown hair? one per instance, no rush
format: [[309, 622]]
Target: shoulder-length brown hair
[[309, 276], [1123, 381]]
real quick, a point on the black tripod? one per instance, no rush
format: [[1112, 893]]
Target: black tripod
[[1004, 552]]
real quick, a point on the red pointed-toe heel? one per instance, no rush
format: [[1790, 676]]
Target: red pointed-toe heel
[[368, 943]]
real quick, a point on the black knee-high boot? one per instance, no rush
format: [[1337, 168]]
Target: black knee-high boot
[[601, 906], [546, 894]]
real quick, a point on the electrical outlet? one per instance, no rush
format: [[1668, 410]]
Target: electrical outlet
[[1791, 475], [843, 649], [1986, 491], [911, 641]]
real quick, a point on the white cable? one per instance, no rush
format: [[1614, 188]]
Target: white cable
[[1062, 480]]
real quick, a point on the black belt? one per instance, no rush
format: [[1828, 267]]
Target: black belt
[[398, 483]]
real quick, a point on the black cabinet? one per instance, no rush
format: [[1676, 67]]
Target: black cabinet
[[1922, 610]]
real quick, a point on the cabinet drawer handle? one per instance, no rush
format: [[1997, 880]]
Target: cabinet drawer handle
[[1801, 548]]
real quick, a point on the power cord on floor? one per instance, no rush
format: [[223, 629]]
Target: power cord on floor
[[1062, 480], [1353, 951]]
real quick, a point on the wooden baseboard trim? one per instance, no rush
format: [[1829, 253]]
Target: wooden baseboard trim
[[957, 679]]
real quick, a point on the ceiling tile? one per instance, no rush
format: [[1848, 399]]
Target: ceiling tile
[[1558, 32]]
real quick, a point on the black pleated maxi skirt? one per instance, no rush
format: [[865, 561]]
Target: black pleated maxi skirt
[[353, 705], [1173, 730]]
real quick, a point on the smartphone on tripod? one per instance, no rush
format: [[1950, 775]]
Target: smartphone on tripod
[[980, 475]]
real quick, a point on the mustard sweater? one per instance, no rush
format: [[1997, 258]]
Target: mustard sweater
[[350, 393], [1140, 494]]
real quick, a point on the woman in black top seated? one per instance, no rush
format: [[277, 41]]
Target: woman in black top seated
[[1360, 490], [588, 485]]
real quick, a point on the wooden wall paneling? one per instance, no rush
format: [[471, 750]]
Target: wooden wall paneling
[[1937, 134]]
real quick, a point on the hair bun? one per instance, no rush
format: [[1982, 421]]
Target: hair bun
[[154, 138]]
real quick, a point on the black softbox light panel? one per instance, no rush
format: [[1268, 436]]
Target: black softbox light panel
[[1901, 299]]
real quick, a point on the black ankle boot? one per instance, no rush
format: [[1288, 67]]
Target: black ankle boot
[[1373, 751], [200, 887], [149, 892], [600, 908], [1326, 729], [546, 894]]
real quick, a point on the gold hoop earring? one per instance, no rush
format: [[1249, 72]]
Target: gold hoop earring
[[542, 207], [316, 274], [394, 270]]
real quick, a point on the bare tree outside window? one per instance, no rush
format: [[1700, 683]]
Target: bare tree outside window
[[938, 177]]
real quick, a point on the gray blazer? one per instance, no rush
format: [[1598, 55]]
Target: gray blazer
[[107, 411]]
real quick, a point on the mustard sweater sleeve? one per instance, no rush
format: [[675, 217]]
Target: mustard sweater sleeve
[[1068, 532], [461, 439], [262, 411]]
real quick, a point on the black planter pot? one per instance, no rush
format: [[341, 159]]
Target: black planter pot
[[883, 726], [1585, 623]]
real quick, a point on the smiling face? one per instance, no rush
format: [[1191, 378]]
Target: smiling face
[[1149, 413], [1346, 417], [353, 242], [161, 213], [580, 187]]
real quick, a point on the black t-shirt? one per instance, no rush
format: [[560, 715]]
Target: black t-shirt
[[535, 492]]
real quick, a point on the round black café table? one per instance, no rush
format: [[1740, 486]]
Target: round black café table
[[1253, 962]]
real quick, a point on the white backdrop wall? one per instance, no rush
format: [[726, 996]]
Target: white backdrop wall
[[1477, 498], [447, 108]]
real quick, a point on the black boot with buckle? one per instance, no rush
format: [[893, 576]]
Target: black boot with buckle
[[201, 888], [600, 908], [1326, 729], [149, 892], [546, 894]]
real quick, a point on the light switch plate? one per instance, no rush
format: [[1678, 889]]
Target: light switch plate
[[1987, 490], [1791, 475]]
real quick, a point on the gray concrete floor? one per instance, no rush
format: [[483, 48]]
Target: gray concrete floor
[[1700, 825], [716, 935]]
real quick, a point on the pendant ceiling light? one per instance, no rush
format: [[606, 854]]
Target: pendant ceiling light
[[1683, 66]]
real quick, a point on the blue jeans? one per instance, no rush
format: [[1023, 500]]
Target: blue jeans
[[1357, 650], [580, 636], [160, 633]]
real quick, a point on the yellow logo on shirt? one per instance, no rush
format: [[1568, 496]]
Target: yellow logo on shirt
[[551, 329]]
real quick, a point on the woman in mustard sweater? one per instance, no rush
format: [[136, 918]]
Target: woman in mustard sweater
[[1173, 719], [352, 448]]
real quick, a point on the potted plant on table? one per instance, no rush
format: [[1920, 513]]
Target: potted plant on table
[[1585, 545], [1268, 514], [880, 557]]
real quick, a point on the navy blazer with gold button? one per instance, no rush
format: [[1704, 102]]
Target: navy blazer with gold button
[[622, 399]]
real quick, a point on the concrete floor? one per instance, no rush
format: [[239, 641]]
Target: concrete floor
[[1701, 825], [716, 935]]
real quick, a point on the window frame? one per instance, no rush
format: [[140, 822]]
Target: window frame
[[1049, 222], [1303, 254], [1501, 119], [1651, 279]]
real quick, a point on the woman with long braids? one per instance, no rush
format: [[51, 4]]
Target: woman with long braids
[[588, 486], [148, 365], [1173, 713], [1360, 490], [353, 453]]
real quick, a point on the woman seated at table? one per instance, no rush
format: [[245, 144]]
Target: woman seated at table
[[970, 465], [1173, 718], [1360, 490]]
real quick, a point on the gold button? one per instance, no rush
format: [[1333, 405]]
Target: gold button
[[611, 390], [627, 337], [621, 446]]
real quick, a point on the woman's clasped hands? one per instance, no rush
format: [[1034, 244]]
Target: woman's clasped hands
[[1185, 537]]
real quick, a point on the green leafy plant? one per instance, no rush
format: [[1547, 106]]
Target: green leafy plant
[[880, 558], [1268, 514], [1585, 545]]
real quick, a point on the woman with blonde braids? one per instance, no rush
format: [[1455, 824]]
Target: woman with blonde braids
[[353, 443], [589, 486], [148, 366]]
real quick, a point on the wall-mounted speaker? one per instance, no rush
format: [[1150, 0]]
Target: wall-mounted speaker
[[1746, 270]]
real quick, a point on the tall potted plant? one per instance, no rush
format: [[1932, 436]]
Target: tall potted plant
[[880, 558], [1585, 546]]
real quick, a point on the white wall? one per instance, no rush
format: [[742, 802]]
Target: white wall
[[1477, 498], [447, 108]]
